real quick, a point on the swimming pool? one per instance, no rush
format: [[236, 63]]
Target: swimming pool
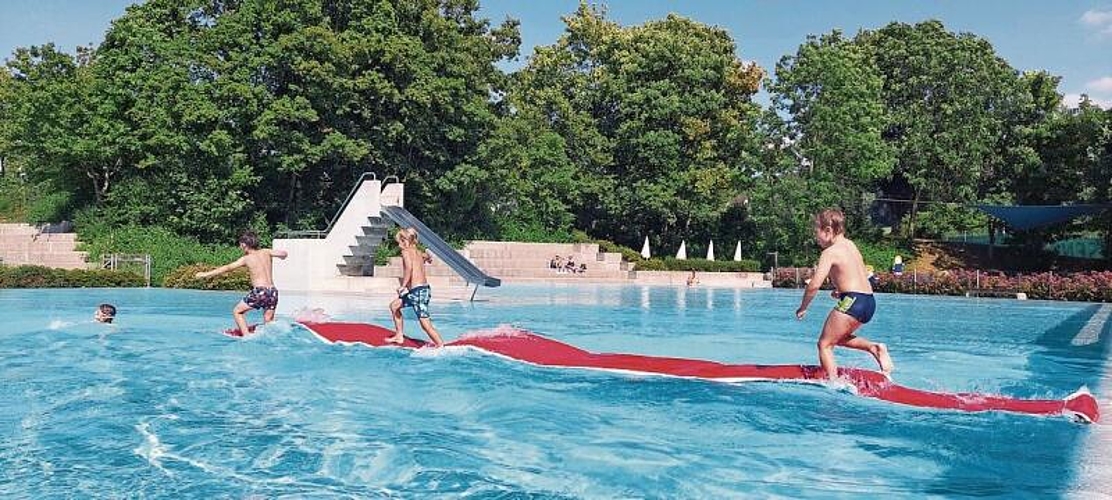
[[162, 405]]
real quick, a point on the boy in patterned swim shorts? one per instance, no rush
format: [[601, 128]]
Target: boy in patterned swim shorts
[[263, 295], [414, 292]]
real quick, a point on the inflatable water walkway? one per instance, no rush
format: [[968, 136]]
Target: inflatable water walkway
[[534, 349]]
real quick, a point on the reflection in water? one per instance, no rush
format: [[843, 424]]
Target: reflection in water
[[681, 298], [710, 298], [645, 304]]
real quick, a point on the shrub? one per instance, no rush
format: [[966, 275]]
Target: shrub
[[533, 233], [1091, 286], [46, 277], [628, 254], [702, 265], [880, 254], [50, 207], [182, 277], [167, 249]]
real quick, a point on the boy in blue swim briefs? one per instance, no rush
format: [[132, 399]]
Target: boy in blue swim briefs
[[842, 262], [414, 291], [263, 294]]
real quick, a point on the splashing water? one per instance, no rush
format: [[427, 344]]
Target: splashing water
[[311, 315]]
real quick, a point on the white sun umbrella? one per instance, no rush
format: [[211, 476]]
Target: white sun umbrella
[[682, 254], [710, 250], [737, 252], [645, 249]]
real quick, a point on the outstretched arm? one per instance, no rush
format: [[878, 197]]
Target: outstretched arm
[[813, 286], [281, 254], [220, 270]]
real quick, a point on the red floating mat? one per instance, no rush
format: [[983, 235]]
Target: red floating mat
[[531, 348]]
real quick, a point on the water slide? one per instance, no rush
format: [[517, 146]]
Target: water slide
[[465, 268]]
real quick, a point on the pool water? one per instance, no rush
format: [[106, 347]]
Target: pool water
[[162, 405]]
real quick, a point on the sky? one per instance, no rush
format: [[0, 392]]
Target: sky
[[1069, 38]]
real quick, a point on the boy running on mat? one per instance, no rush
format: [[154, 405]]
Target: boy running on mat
[[415, 291], [263, 294], [842, 262]]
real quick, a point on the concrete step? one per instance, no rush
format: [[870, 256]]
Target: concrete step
[[359, 269], [39, 247], [17, 229]]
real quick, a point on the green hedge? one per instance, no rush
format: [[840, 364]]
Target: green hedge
[[701, 265], [46, 277], [182, 277], [880, 254]]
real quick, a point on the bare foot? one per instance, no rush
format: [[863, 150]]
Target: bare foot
[[396, 339], [880, 352]]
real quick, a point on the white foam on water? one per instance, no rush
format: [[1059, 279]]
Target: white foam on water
[[59, 324], [152, 448], [840, 385], [498, 331], [442, 352], [311, 315]]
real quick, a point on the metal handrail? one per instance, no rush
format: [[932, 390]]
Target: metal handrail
[[319, 233]]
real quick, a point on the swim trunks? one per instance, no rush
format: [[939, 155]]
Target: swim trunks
[[262, 297], [418, 298], [860, 306]]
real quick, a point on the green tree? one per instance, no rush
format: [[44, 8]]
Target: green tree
[[950, 100], [832, 95], [63, 129], [656, 118], [246, 112]]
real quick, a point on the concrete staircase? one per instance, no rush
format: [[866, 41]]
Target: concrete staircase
[[21, 244], [361, 260]]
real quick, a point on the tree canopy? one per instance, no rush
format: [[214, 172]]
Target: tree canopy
[[205, 116]]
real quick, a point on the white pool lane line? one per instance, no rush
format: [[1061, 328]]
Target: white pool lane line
[[1090, 333], [1094, 466]]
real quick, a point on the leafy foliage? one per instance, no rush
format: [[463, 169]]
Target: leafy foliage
[[201, 117], [46, 277], [168, 250], [703, 265], [182, 277], [649, 128]]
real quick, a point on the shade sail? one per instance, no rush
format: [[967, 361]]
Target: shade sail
[[1033, 216]]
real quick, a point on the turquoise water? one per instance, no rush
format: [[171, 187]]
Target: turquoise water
[[163, 406]]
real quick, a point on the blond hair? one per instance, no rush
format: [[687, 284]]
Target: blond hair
[[831, 218], [408, 234]]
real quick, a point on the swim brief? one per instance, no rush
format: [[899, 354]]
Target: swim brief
[[262, 297], [418, 298], [860, 306]]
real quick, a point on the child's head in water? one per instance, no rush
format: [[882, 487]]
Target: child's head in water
[[105, 313]]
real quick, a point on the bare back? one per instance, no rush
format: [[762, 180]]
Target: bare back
[[414, 268], [259, 265], [846, 267]]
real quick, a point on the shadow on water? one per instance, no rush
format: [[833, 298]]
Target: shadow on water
[[1040, 453]]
